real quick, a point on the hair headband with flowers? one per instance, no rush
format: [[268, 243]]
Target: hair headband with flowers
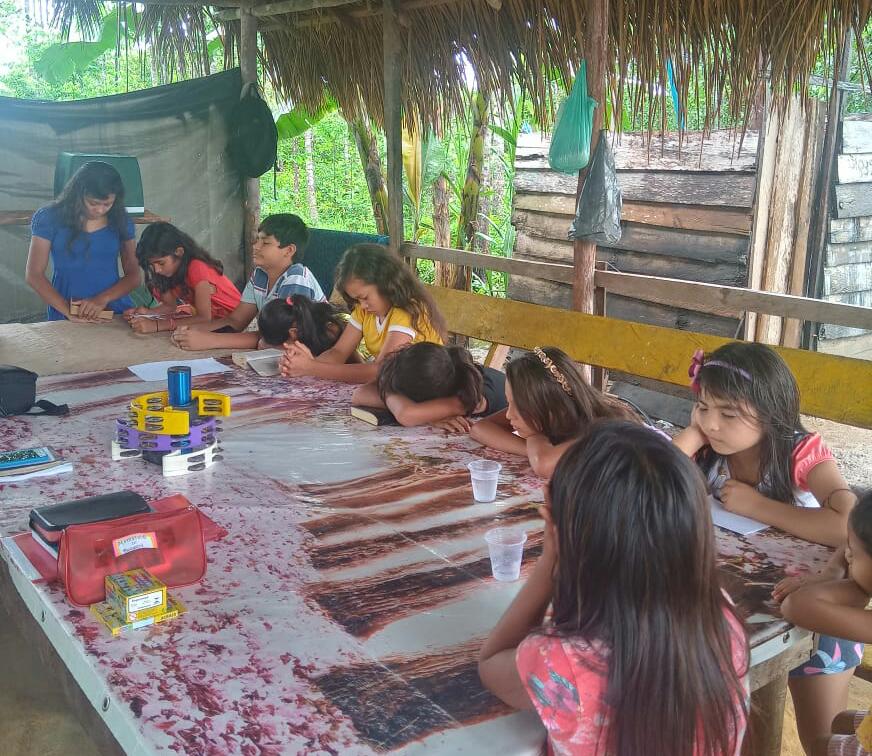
[[553, 369], [698, 362]]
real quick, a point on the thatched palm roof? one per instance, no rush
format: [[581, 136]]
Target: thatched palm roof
[[728, 42]]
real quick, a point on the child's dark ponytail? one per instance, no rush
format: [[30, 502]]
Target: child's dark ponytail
[[427, 371], [318, 325]]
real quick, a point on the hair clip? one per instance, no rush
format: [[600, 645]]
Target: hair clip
[[553, 369], [698, 362], [290, 300]]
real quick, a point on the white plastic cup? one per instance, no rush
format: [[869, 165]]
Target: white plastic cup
[[485, 476], [506, 549]]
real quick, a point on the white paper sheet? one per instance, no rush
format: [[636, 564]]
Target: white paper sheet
[[157, 371], [729, 521], [65, 468]]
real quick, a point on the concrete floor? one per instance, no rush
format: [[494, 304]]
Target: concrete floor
[[36, 721]]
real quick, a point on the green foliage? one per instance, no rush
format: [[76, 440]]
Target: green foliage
[[299, 120], [61, 61]]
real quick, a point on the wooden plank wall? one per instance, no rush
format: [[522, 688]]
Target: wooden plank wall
[[848, 257], [686, 214]]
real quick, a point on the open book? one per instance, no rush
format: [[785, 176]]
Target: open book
[[262, 361]]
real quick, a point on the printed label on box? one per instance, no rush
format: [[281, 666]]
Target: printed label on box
[[145, 601], [134, 542]]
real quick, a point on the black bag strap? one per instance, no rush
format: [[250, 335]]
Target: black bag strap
[[49, 408]]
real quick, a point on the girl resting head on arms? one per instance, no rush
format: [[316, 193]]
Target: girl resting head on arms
[[747, 437], [178, 271], [428, 383], [644, 653], [549, 405], [297, 319], [390, 308]]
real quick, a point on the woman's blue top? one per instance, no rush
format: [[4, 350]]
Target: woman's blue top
[[86, 268]]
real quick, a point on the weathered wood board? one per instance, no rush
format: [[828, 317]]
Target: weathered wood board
[[847, 230], [848, 278], [689, 217], [535, 291], [546, 250], [854, 169], [719, 151], [683, 188], [859, 347], [638, 237], [848, 254], [853, 200], [856, 137]]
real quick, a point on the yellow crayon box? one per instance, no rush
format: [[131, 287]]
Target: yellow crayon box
[[108, 617], [135, 595]]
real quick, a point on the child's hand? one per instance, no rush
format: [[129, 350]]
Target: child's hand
[[458, 424], [186, 338], [144, 325], [90, 309], [739, 497], [296, 360], [129, 313], [787, 586]]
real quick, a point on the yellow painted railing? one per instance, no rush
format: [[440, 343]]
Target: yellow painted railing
[[837, 388]]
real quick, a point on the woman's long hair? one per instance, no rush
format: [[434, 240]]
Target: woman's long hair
[[754, 375], [161, 239], [425, 371], [318, 325], [546, 406], [636, 572], [374, 264], [97, 180]]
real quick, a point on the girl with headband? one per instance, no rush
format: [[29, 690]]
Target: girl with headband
[[747, 437], [549, 405]]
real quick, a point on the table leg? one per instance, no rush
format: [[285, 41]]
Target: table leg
[[767, 719]]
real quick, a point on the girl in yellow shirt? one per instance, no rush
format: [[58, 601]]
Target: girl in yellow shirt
[[389, 308]]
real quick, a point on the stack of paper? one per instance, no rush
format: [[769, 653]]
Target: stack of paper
[[729, 521]]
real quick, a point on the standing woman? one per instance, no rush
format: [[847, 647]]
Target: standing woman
[[83, 232]]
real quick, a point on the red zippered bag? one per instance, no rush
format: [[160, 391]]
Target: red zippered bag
[[167, 544]]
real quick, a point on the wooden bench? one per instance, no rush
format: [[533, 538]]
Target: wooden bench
[[836, 388]]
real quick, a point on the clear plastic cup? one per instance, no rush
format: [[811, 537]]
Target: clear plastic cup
[[485, 476], [506, 549]]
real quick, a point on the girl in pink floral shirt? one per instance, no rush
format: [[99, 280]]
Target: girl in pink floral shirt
[[643, 653]]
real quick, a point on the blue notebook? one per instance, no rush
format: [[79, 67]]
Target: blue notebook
[[19, 458]]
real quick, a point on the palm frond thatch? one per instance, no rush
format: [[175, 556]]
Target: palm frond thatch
[[727, 44]]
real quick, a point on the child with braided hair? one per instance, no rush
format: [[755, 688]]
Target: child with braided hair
[[549, 406]]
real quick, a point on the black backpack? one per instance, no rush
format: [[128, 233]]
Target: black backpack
[[253, 135], [18, 394]]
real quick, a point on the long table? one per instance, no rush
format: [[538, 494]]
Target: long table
[[343, 611]]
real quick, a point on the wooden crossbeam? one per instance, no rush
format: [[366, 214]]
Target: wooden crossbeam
[[283, 7], [836, 388], [729, 301]]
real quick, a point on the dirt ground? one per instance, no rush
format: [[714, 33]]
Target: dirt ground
[[851, 446]]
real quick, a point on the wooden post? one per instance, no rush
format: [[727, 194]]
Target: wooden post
[[393, 81], [595, 51], [820, 223], [251, 186]]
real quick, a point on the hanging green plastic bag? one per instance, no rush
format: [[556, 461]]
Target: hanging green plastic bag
[[570, 142]]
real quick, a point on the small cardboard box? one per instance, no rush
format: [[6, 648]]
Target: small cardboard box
[[135, 595], [108, 617]]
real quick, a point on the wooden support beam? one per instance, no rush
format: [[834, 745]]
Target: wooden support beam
[[836, 388], [729, 301], [595, 42], [393, 84], [281, 8], [251, 187]]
